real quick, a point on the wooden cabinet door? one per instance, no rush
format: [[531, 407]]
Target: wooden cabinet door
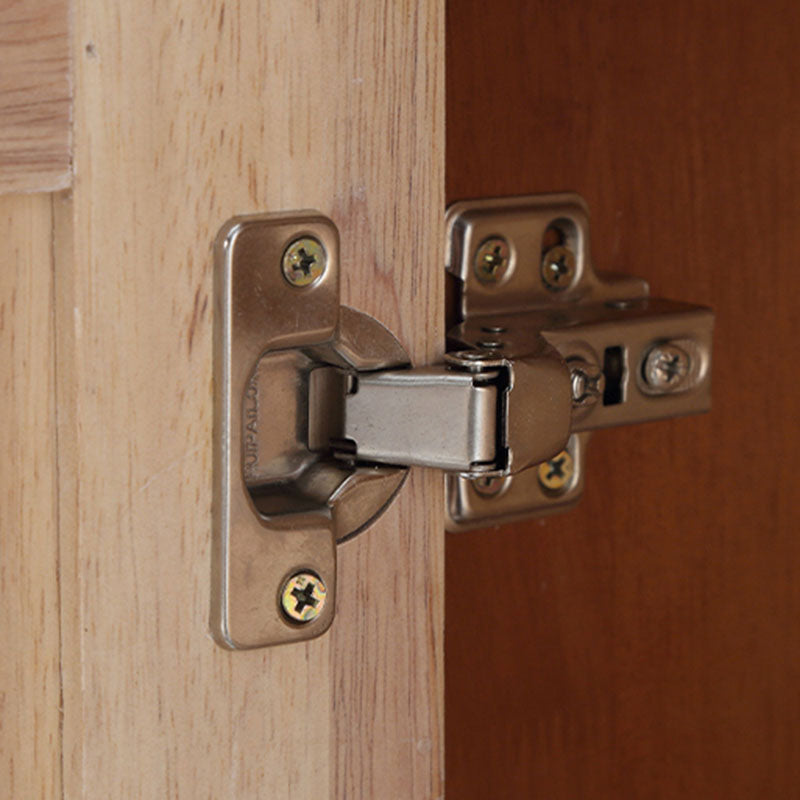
[[647, 644], [183, 115]]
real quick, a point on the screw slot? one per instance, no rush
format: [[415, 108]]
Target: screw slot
[[303, 597], [558, 268], [666, 367], [491, 260], [588, 382], [491, 485], [304, 262], [557, 474]]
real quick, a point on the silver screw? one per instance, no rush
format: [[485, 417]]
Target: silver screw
[[588, 382], [558, 268], [303, 597], [490, 485], [491, 260], [304, 262], [556, 474], [666, 367]]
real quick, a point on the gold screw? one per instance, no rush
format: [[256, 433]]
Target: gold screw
[[304, 262], [491, 260], [303, 597], [556, 474], [558, 268]]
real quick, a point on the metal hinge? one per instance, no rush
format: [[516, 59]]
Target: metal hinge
[[319, 413]]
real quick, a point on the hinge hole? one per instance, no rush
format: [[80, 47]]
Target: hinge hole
[[614, 371], [553, 237], [561, 232]]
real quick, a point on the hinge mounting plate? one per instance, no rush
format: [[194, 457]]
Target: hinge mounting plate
[[521, 272]]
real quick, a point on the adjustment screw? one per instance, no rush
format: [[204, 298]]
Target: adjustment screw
[[491, 260], [588, 382], [303, 597], [556, 474], [558, 268], [304, 262], [666, 367]]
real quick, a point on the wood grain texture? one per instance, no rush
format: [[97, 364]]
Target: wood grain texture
[[648, 645], [184, 116], [30, 742], [35, 95]]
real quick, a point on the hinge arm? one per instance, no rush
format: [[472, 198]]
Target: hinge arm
[[430, 417], [475, 415]]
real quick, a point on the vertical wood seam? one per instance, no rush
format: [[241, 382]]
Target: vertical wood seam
[[57, 490]]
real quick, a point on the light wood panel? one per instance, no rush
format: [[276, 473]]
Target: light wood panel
[[185, 115], [35, 95], [30, 742], [654, 648]]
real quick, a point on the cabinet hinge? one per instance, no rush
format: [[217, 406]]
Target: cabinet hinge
[[319, 413]]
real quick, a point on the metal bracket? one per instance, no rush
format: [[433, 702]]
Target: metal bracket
[[318, 413], [281, 502], [522, 275]]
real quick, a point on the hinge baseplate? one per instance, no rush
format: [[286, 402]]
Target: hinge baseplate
[[522, 276]]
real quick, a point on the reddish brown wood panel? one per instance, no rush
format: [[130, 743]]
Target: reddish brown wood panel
[[647, 644]]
